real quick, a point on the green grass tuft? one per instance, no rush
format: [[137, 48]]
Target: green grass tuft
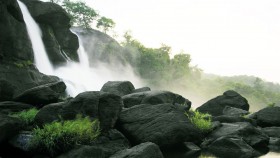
[[27, 116], [62, 136], [200, 120]]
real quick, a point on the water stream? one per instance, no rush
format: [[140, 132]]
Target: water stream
[[40, 55]]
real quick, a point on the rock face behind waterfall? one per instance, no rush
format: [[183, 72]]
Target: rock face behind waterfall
[[17, 70], [55, 26], [14, 41]]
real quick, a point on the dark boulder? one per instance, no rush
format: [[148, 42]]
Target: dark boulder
[[51, 14], [120, 88], [30, 77], [231, 147], [250, 134], [274, 144], [84, 152], [144, 150], [230, 98], [49, 113], [8, 107], [162, 124], [232, 111], [268, 117], [155, 97], [111, 142], [6, 90], [43, 94], [9, 127], [233, 119], [143, 89], [104, 106], [272, 131]]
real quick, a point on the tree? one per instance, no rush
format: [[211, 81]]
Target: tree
[[105, 24], [80, 13]]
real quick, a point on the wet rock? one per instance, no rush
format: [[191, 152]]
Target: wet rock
[[155, 97], [84, 152], [268, 117], [230, 98], [231, 147], [120, 88], [144, 150], [272, 131], [21, 140], [250, 134], [8, 107], [43, 94], [143, 89], [231, 111], [233, 119], [9, 127], [162, 124]]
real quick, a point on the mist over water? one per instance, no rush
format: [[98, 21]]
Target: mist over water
[[41, 58]]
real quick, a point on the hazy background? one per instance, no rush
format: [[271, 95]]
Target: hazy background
[[225, 37]]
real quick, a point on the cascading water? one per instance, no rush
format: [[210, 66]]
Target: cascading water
[[41, 58]]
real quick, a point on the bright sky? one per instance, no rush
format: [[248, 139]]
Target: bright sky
[[225, 37]]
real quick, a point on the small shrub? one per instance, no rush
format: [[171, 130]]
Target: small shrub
[[200, 120], [22, 64], [62, 136], [26, 116], [271, 105]]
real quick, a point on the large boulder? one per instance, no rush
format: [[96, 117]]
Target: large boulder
[[43, 94], [250, 134], [272, 131], [162, 124], [155, 97], [144, 150], [55, 24], [231, 147], [8, 107], [230, 98], [84, 152], [232, 111], [9, 127], [268, 117], [6, 90], [104, 106], [233, 119], [111, 142], [120, 88]]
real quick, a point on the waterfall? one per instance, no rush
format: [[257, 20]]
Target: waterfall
[[78, 76], [41, 58]]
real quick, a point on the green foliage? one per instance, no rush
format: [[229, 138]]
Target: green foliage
[[23, 64], [200, 120], [271, 105], [62, 136], [80, 13], [157, 67], [105, 24], [26, 116]]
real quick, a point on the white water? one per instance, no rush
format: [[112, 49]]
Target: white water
[[41, 58]]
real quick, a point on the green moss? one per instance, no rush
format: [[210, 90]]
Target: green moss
[[200, 120], [62, 136], [23, 64], [271, 105], [26, 116]]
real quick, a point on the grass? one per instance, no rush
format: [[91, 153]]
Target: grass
[[200, 120], [27, 116], [62, 136]]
